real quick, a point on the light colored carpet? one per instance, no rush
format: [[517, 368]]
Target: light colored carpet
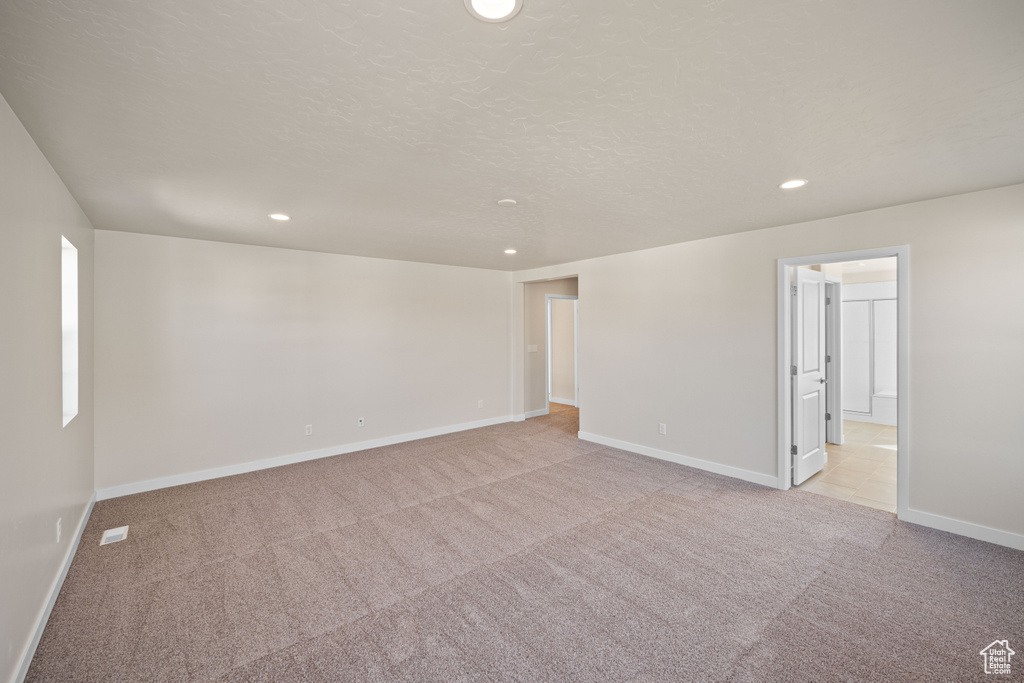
[[519, 553]]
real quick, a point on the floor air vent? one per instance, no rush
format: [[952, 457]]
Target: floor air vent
[[114, 535]]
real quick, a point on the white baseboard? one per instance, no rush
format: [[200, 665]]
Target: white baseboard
[[864, 417], [707, 465], [563, 401], [254, 465], [44, 615], [953, 526], [538, 413], [519, 418], [969, 529]]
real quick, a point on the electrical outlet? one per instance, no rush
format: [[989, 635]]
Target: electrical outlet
[[309, 430], [362, 422], [59, 520], [662, 429], [480, 403]]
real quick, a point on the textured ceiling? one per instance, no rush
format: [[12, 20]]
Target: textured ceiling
[[390, 129]]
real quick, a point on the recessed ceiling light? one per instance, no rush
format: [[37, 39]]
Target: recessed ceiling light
[[793, 184], [280, 217], [510, 251], [506, 202], [493, 11]]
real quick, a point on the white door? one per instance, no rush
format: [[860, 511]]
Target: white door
[[808, 373]]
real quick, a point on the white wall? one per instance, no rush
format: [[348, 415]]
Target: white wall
[[850, 276], [686, 335], [563, 351], [535, 334], [46, 470], [213, 355]]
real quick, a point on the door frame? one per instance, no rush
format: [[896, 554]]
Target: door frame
[[785, 398], [575, 347], [834, 362]]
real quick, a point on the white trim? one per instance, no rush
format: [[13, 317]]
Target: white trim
[[564, 401], [537, 413], [254, 465], [519, 418], [867, 417], [706, 465], [58, 582], [834, 349], [969, 529], [902, 254]]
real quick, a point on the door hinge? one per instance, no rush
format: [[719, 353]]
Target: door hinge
[[792, 370], [828, 416], [828, 300], [828, 358], [792, 290], [792, 450]]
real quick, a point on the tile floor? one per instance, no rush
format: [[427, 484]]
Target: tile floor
[[862, 470]]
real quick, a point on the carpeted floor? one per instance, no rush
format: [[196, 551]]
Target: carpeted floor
[[519, 553]]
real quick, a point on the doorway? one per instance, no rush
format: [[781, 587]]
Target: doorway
[[562, 330], [843, 376], [548, 306]]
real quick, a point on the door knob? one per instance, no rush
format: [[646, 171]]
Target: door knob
[[822, 380]]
